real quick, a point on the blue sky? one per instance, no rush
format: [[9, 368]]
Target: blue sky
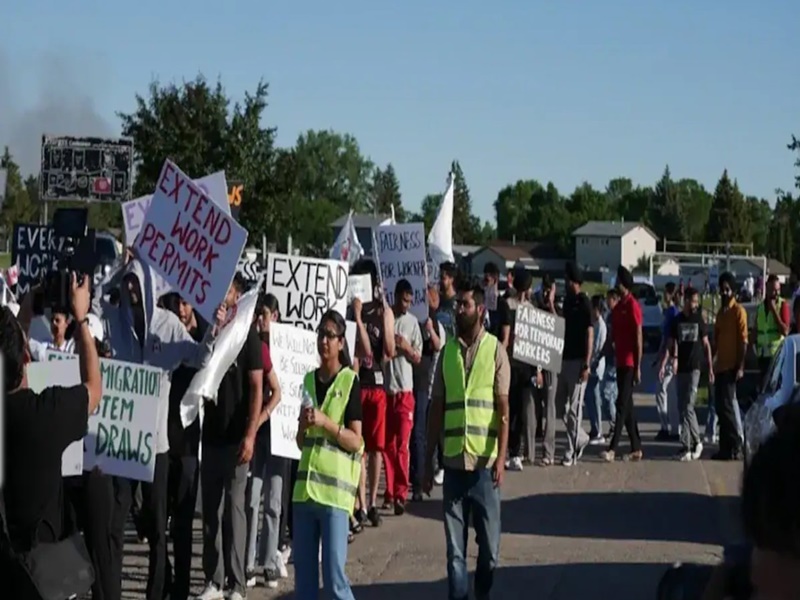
[[514, 89]]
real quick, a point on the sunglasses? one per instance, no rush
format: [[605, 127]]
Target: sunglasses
[[327, 334]]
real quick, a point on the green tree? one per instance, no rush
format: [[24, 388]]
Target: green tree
[[512, 207], [549, 219], [385, 194], [616, 192], [781, 240], [466, 226], [17, 206], [667, 210], [696, 208], [635, 205], [760, 217], [729, 219], [428, 211]]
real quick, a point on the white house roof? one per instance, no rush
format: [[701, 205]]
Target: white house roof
[[609, 229]]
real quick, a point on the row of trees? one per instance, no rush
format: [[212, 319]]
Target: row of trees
[[299, 190]]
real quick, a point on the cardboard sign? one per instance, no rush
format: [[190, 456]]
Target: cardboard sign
[[122, 432], [538, 338], [294, 353], [34, 249], [190, 241], [401, 254], [134, 211], [307, 287], [359, 286]]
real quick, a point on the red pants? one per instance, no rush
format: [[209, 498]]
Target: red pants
[[399, 422]]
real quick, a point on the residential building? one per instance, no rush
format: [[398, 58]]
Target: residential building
[[539, 257], [742, 267], [604, 245]]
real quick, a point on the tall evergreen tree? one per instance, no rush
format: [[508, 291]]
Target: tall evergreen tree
[[668, 214], [466, 227], [385, 194], [17, 206], [729, 220]]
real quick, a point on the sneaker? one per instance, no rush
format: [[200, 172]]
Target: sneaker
[[399, 508], [416, 497], [271, 577], [711, 439], [515, 464], [607, 455], [235, 596], [283, 572], [438, 478], [597, 440], [568, 461], [697, 452], [684, 456], [286, 553], [634, 456], [211, 592], [374, 517], [250, 578]]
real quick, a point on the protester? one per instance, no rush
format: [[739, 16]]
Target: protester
[[627, 332], [329, 436], [576, 363], [687, 348], [473, 411], [498, 317], [400, 407], [266, 470], [229, 434], [140, 332], [795, 315], [730, 343], [59, 321], [594, 401], [773, 319], [446, 314], [545, 385], [608, 385], [38, 428], [667, 411]]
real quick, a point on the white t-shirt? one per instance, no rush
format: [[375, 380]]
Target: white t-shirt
[[39, 349], [401, 370]]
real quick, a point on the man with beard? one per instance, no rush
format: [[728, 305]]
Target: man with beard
[[470, 402], [773, 319]]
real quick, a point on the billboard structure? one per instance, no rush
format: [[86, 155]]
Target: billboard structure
[[86, 169]]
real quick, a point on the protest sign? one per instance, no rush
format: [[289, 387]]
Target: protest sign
[[359, 286], [401, 253], [307, 287], [34, 250], [58, 355], [44, 374], [538, 338], [134, 211], [191, 241]]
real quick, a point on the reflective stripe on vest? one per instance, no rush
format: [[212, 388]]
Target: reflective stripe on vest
[[470, 418], [328, 474], [768, 337]]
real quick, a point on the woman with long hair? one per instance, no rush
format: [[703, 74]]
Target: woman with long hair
[[329, 437]]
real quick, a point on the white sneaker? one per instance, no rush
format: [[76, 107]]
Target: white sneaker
[[286, 555], [438, 478], [685, 456], [568, 461], [515, 464], [251, 578], [235, 596], [271, 578], [282, 571], [597, 441], [211, 592], [698, 452]]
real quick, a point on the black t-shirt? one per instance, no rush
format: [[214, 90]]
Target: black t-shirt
[[499, 318], [226, 421], [38, 428], [183, 442], [689, 331], [352, 411], [427, 346], [370, 369], [577, 313]]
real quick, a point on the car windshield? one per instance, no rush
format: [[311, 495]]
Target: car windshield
[[645, 292]]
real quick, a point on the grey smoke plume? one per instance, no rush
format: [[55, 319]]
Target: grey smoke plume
[[60, 103]]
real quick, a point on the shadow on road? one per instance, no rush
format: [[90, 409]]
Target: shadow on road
[[555, 582]]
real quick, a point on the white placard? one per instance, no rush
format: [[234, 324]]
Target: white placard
[[189, 240], [360, 286], [306, 288], [401, 253], [121, 439]]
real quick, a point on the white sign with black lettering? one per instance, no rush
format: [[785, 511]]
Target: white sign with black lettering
[[401, 253], [360, 286], [306, 288], [539, 338]]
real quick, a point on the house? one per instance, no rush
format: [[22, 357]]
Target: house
[[364, 225], [601, 245], [463, 253], [742, 267], [539, 257]]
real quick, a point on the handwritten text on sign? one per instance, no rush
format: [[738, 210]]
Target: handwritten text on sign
[[401, 251], [307, 287], [35, 249], [538, 338], [191, 241]]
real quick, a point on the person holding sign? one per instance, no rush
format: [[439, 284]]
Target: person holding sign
[[59, 321], [329, 436], [470, 404]]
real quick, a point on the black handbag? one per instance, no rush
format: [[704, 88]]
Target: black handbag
[[58, 571]]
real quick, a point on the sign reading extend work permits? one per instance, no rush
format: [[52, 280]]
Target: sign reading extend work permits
[[539, 338]]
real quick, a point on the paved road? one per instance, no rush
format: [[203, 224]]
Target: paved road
[[592, 529]]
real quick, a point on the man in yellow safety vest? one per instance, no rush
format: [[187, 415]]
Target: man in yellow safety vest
[[773, 319], [469, 401]]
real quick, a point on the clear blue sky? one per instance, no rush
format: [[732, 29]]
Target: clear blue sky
[[515, 89]]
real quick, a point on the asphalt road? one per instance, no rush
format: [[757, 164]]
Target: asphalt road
[[591, 529]]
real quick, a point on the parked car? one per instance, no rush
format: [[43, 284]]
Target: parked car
[[108, 250]]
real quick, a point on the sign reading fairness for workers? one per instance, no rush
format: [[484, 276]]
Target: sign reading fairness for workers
[[307, 287], [539, 338], [401, 253], [191, 241]]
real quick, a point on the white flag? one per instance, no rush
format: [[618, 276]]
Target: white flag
[[229, 344], [347, 248], [440, 238]]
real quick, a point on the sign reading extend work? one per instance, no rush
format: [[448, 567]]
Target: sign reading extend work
[[538, 338]]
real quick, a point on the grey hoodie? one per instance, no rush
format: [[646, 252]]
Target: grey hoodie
[[167, 344]]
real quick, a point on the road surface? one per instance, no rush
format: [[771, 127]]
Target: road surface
[[591, 529]]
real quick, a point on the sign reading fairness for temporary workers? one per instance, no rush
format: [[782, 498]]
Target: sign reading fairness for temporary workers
[[401, 252], [191, 241], [307, 287], [538, 338]]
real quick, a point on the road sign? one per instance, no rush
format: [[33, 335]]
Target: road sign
[[86, 168]]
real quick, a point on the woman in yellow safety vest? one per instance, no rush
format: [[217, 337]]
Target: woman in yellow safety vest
[[329, 436]]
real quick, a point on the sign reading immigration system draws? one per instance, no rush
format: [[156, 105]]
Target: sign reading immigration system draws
[[34, 250], [86, 168], [307, 287], [539, 338], [401, 253], [189, 240]]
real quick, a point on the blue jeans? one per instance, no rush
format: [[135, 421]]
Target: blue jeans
[[608, 395], [593, 400], [471, 495], [315, 524], [419, 437]]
